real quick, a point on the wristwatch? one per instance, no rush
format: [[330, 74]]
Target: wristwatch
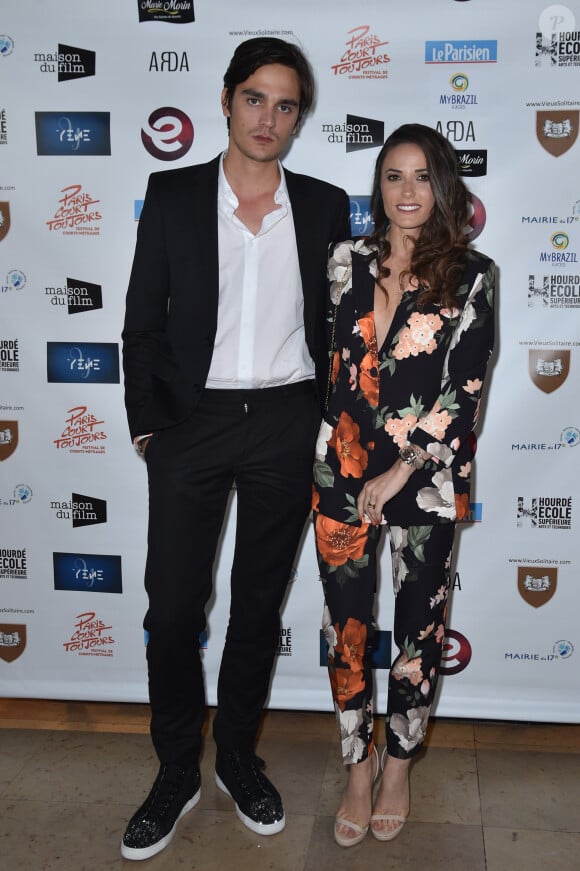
[[411, 456]]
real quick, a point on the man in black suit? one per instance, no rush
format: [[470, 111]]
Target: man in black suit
[[225, 364]]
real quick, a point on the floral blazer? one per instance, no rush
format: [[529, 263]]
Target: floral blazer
[[422, 386]]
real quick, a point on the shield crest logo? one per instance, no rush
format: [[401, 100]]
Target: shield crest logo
[[557, 131], [4, 219], [537, 584], [549, 368], [8, 438], [12, 641]]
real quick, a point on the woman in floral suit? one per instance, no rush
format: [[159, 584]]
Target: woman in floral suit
[[413, 334]]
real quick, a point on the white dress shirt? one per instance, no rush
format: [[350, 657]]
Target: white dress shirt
[[260, 340]]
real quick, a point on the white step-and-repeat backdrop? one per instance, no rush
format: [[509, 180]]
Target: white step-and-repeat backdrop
[[94, 97]]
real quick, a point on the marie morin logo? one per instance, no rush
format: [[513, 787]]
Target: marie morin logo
[[170, 11]]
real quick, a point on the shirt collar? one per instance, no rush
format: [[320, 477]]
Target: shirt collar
[[228, 201]]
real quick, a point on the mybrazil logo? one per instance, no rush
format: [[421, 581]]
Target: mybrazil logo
[[85, 363], [454, 51], [87, 572], [560, 253]]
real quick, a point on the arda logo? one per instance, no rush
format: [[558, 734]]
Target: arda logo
[[169, 134], [456, 653]]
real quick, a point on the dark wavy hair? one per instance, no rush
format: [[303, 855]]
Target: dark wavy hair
[[439, 252], [252, 54]]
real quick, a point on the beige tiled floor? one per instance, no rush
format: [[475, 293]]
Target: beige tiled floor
[[502, 797]]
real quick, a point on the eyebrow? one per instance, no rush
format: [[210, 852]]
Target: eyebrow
[[252, 92], [394, 169]]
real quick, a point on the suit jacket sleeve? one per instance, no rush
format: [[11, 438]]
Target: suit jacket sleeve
[[146, 305]]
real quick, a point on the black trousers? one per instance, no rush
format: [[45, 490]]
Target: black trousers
[[263, 440]]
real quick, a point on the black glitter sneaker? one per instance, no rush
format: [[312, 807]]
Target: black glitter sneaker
[[258, 803], [175, 792]]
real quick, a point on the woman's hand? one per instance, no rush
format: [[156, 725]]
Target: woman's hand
[[379, 490]]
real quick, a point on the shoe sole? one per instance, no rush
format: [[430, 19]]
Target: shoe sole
[[258, 828], [138, 853]]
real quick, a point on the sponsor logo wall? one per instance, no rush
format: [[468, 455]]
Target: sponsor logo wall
[[81, 128]]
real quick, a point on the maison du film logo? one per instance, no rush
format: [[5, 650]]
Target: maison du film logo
[[77, 213], [87, 572], [356, 133], [84, 362], [76, 294], [363, 56], [169, 11], [13, 563], [168, 134], [557, 130], [9, 355], [68, 62], [554, 291], [548, 368], [557, 39], [81, 510], [90, 636], [545, 512], [82, 433], [73, 134], [12, 641]]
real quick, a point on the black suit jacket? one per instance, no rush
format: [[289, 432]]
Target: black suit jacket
[[172, 300]]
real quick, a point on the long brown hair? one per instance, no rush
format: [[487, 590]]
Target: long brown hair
[[439, 252]]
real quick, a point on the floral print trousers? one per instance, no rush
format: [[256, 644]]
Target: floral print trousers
[[421, 557]]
